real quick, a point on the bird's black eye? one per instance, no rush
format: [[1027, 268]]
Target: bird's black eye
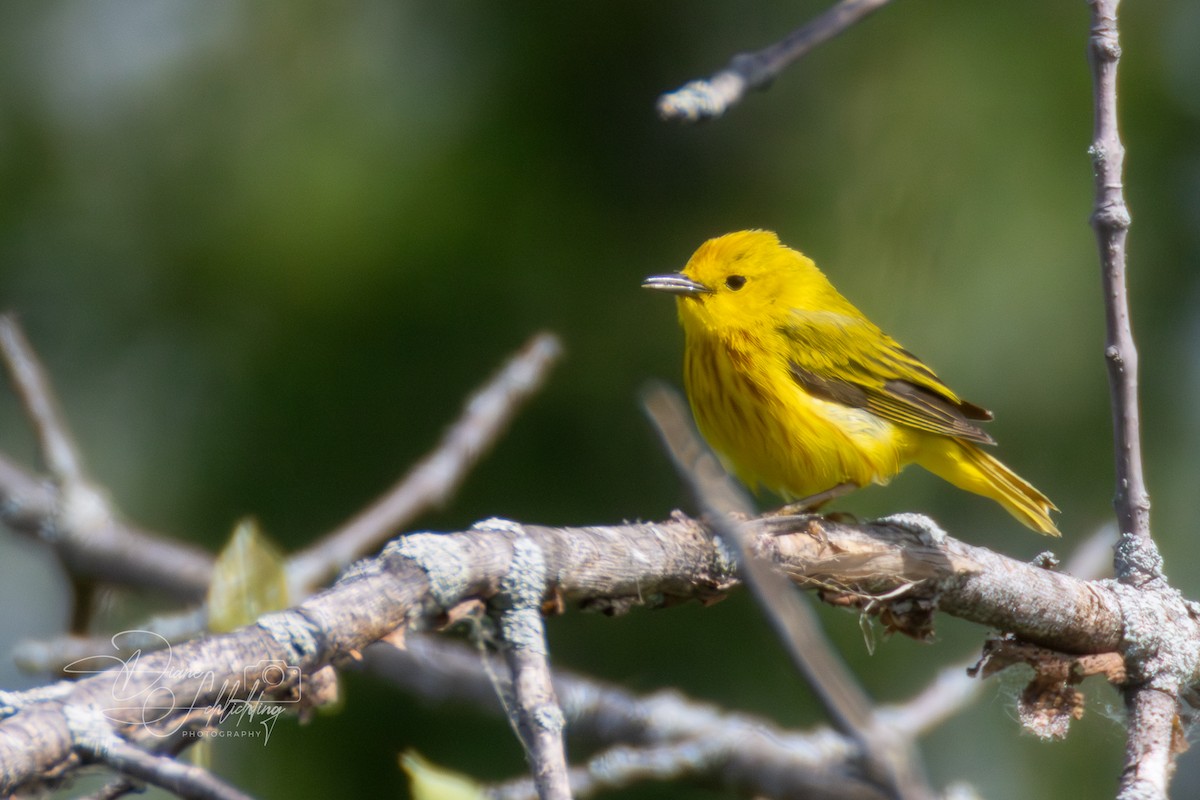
[[735, 282]]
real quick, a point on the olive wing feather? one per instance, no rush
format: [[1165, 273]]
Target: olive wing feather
[[851, 361]]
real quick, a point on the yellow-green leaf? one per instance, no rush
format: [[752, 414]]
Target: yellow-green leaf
[[429, 782], [249, 579]]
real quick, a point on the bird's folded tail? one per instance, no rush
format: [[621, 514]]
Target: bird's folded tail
[[970, 468]]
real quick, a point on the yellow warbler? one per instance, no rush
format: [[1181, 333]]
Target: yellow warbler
[[799, 392]]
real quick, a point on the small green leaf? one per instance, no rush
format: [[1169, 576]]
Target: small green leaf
[[249, 579], [429, 782]]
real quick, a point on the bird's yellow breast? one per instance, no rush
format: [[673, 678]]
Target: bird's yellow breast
[[772, 433]]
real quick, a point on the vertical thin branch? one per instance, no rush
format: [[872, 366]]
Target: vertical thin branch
[[1155, 738], [1153, 711], [1137, 560], [538, 718], [845, 702], [887, 760]]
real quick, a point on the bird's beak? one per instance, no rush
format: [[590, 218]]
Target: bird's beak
[[676, 283]]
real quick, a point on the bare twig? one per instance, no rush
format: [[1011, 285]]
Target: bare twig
[[1138, 559], [117, 787], [621, 766], [74, 515], [50, 656], [706, 99], [81, 505], [98, 545], [177, 777], [680, 737], [666, 736], [694, 758], [887, 759], [113, 552], [95, 740], [435, 477], [33, 388]]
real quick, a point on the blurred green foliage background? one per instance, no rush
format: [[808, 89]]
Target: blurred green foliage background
[[267, 249]]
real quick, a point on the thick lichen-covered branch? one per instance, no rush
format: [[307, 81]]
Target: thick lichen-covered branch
[[419, 578]]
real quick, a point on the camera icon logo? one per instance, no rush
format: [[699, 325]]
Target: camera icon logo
[[274, 677]]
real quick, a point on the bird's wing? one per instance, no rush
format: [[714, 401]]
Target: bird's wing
[[851, 361]]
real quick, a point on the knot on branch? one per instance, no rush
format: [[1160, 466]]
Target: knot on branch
[[444, 561], [520, 596], [525, 582], [300, 637], [91, 732], [1112, 216], [1105, 44], [1160, 636], [1137, 559], [82, 509], [550, 719], [726, 563]]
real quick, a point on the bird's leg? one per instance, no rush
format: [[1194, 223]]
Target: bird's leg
[[815, 501]]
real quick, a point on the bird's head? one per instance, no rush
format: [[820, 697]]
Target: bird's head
[[741, 280]]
